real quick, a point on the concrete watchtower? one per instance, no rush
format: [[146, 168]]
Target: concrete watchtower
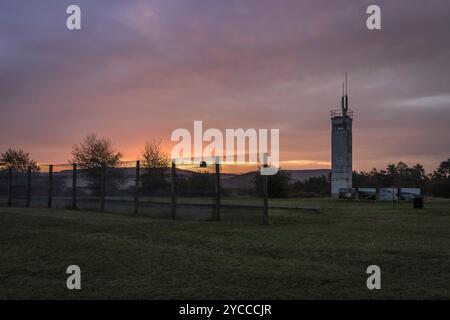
[[341, 146]]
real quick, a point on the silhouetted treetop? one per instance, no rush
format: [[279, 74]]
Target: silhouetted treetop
[[95, 152], [17, 160]]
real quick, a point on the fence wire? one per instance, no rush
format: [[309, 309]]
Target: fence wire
[[242, 192], [155, 191], [120, 187], [4, 187], [62, 190], [188, 191], [88, 188], [38, 189], [195, 190], [19, 188]]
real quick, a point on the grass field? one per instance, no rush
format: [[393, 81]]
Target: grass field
[[300, 255]]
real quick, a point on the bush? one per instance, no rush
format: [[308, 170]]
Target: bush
[[279, 185]]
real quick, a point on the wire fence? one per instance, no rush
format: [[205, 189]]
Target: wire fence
[[187, 190], [3, 187]]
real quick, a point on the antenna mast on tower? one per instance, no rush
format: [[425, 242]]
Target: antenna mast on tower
[[344, 97]]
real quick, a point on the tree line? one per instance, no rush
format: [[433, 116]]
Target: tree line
[[93, 154], [400, 175], [436, 183]]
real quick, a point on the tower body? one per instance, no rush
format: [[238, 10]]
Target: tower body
[[341, 146], [341, 152]]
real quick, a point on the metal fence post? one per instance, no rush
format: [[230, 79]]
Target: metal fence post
[[74, 186], [10, 187], [174, 190], [103, 189], [50, 186], [28, 189], [217, 208], [136, 190], [265, 180], [265, 185]]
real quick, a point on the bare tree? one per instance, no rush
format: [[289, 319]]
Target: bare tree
[[17, 160], [153, 156], [93, 154], [155, 163]]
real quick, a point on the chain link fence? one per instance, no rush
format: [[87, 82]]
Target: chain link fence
[[62, 191], [19, 188], [243, 192], [195, 190], [3, 187], [187, 191]]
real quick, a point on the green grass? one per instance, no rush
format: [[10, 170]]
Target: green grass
[[300, 255]]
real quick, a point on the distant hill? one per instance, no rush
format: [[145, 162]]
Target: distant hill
[[245, 181], [229, 180]]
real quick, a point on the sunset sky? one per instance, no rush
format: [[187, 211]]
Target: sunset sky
[[140, 69]]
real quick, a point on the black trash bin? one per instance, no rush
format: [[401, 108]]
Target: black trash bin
[[418, 203]]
